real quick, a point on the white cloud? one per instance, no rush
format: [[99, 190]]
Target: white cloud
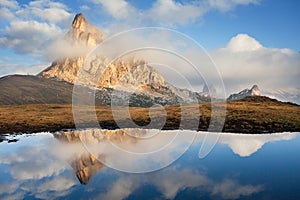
[[171, 181], [167, 12], [31, 27], [167, 182], [119, 9], [36, 169], [244, 62], [229, 189], [12, 4], [247, 144], [52, 12], [85, 8], [171, 12], [226, 5], [29, 36], [25, 164], [243, 42], [6, 13], [120, 189]]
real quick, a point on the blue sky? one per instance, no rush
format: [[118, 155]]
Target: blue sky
[[273, 22], [27, 28]]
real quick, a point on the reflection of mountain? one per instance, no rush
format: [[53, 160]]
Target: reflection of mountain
[[84, 164], [38, 169]]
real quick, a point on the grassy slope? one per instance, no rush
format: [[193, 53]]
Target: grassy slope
[[251, 115]]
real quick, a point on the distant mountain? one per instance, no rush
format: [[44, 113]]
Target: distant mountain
[[254, 91], [208, 91]]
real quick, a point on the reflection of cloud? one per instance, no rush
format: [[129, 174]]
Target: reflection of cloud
[[57, 184], [126, 153], [229, 189], [35, 167], [120, 189], [33, 163], [247, 144], [171, 181], [169, 184]]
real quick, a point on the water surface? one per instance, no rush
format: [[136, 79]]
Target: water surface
[[74, 165]]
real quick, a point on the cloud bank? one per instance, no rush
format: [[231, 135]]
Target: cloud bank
[[31, 27], [245, 61]]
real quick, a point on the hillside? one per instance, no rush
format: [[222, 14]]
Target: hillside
[[21, 89], [25, 89]]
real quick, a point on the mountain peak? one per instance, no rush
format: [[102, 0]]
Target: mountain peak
[[254, 87], [78, 20], [254, 91], [82, 37], [82, 31], [124, 74]]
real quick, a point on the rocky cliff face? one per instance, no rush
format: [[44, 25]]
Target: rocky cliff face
[[121, 75], [82, 31], [254, 91], [126, 73], [81, 35]]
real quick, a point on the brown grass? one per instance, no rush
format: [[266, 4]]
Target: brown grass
[[245, 116]]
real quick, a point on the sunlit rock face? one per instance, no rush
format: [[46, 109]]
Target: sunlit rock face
[[254, 91], [83, 32], [82, 36], [124, 74]]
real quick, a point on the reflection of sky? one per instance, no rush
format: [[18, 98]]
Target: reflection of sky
[[37, 166]]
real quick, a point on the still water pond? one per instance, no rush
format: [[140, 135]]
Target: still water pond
[[149, 164]]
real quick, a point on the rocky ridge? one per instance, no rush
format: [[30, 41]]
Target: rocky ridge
[[127, 75], [254, 91]]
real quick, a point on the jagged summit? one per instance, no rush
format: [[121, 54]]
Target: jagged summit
[[78, 20], [254, 91], [82, 31], [208, 91], [82, 36]]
